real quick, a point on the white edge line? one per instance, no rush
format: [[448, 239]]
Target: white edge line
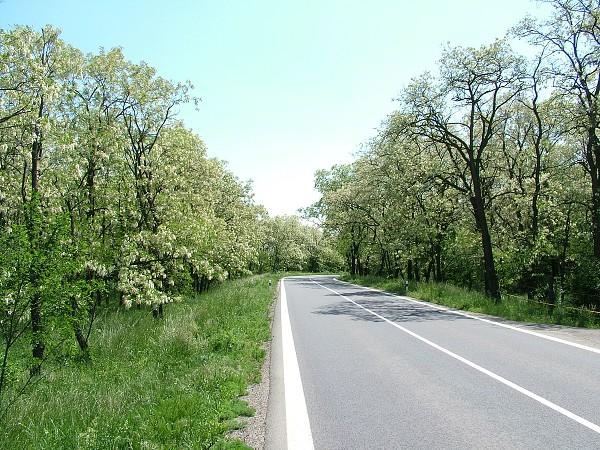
[[481, 319], [592, 426], [298, 431]]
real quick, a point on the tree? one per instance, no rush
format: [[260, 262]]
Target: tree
[[103, 193], [571, 39], [40, 64], [342, 215], [459, 117], [533, 167], [418, 210]]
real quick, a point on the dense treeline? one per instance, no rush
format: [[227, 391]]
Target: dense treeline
[[107, 199], [488, 173]]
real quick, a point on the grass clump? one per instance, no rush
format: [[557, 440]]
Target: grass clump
[[153, 383], [512, 307]]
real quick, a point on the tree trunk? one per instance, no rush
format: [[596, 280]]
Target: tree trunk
[[492, 287], [38, 345], [81, 339], [381, 270], [596, 215], [437, 256], [552, 285], [33, 225], [438, 265], [354, 262], [158, 312], [428, 270]]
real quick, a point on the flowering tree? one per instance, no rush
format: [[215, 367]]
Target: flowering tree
[[104, 194]]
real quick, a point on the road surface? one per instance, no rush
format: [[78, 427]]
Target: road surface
[[354, 368]]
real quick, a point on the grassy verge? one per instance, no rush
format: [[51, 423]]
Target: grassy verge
[[511, 307], [153, 383]]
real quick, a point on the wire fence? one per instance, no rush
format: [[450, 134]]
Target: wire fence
[[558, 304]]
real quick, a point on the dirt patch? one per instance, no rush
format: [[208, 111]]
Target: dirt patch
[[254, 432]]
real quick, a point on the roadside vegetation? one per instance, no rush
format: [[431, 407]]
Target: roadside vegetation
[[151, 384], [129, 313], [512, 307], [487, 174], [114, 223]]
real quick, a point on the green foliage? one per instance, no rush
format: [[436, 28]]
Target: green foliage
[[584, 283], [290, 245], [106, 197], [463, 264], [487, 175], [172, 383]]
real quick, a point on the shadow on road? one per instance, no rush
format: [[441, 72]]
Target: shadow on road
[[392, 309]]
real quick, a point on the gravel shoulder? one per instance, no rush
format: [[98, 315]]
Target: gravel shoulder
[[254, 432], [584, 336]]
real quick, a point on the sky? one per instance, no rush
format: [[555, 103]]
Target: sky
[[288, 87]]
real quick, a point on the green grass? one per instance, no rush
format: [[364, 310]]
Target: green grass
[[170, 383], [511, 307]]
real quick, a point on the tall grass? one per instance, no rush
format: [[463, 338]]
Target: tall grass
[[511, 307], [170, 383]]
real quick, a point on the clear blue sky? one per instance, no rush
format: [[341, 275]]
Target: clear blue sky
[[287, 86]]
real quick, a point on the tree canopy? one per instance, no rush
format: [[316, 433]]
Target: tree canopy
[[486, 175], [107, 198]]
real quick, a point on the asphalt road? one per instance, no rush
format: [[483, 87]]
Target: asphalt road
[[376, 371]]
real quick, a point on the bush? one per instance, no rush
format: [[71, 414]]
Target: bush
[[583, 283]]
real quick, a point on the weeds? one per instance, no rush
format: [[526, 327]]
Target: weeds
[[153, 384]]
